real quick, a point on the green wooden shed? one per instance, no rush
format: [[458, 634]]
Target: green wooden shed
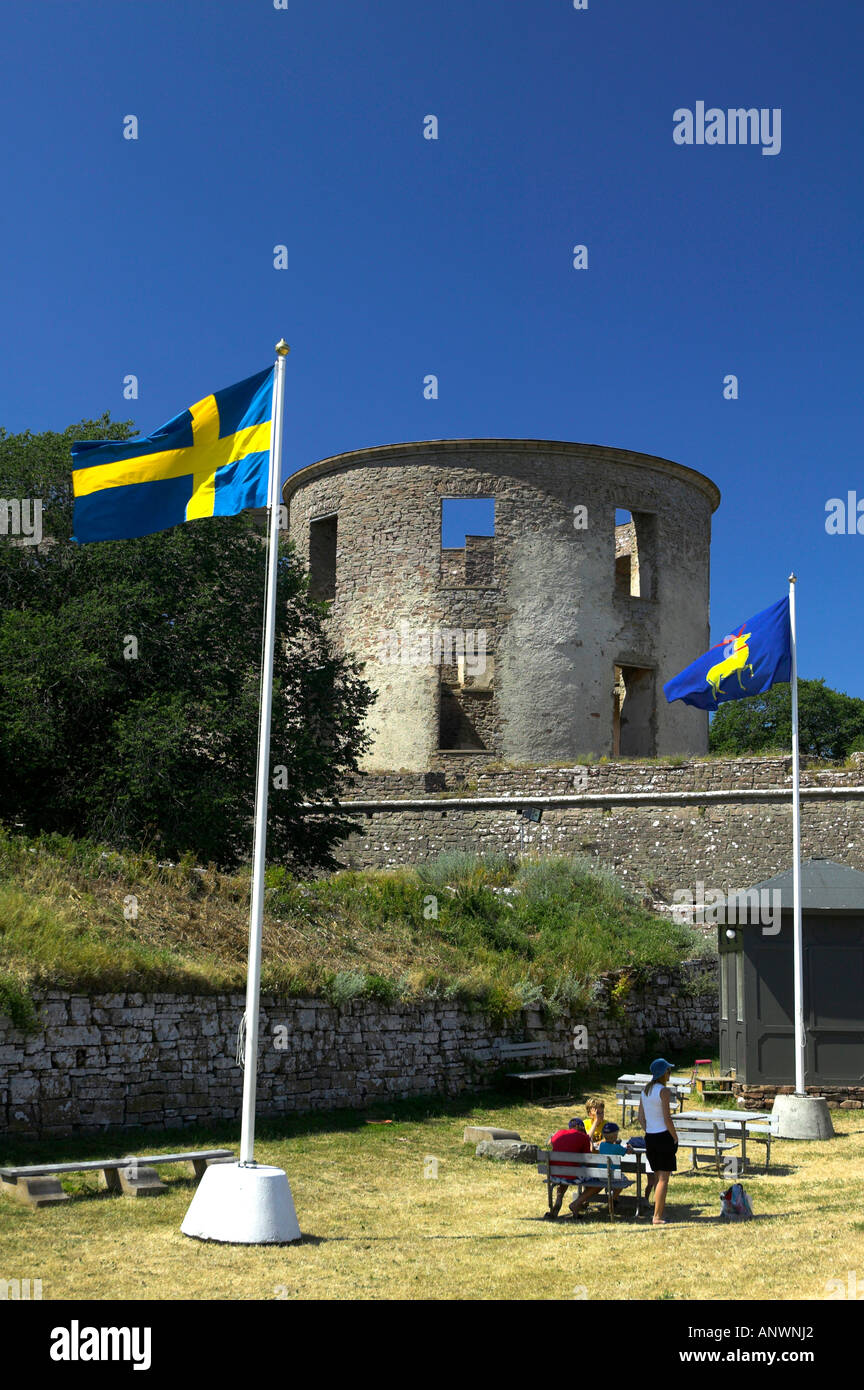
[[757, 983]]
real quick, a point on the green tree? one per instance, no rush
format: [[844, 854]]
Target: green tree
[[129, 680], [830, 724]]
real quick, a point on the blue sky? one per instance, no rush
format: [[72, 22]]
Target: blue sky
[[303, 127]]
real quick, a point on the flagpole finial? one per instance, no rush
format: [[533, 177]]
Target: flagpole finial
[[793, 579], [282, 348]]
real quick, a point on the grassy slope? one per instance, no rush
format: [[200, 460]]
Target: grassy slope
[[504, 934]]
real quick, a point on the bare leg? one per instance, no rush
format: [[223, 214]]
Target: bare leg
[[559, 1198], [660, 1197], [584, 1199]]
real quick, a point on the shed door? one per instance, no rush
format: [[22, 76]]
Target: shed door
[[834, 1001], [771, 1033], [833, 970], [732, 1034]]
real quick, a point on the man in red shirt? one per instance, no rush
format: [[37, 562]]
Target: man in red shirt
[[570, 1140]]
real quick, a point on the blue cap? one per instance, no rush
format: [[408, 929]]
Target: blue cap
[[610, 1128], [576, 1124], [659, 1067]]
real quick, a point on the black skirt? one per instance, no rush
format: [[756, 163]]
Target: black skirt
[[660, 1150]]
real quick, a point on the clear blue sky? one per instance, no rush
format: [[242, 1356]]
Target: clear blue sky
[[406, 256]]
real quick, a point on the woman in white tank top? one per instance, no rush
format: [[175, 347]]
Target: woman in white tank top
[[654, 1115], [661, 1140]]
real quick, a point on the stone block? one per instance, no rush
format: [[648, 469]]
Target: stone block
[[54, 1012], [37, 1192], [476, 1134], [504, 1150], [165, 1031]]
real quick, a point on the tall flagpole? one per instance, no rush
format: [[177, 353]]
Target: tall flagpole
[[798, 953], [249, 1203], [259, 854]]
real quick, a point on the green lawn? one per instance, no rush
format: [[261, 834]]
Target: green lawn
[[375, 1227]]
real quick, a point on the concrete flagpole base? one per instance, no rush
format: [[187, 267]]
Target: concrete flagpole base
[[801, 1117], [243, 1205]]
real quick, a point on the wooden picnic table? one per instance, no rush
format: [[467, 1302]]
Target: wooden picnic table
[[630, 1164]]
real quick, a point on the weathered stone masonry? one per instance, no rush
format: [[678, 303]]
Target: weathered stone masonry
[[164, 1060], [576, 618], [726, 822]]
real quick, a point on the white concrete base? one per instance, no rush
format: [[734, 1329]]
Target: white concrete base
[[801, 1117], [243, 1206]]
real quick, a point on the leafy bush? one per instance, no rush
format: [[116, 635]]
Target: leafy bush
[[346, 985], [16, 1004], [158, 752], [830, 723]]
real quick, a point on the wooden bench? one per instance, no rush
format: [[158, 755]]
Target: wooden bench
[[134, 1176], [560, 1168], [697, 1135], [510, 1052], [627, 1095]]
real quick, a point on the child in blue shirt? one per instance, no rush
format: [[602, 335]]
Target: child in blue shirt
[[609, 1144]]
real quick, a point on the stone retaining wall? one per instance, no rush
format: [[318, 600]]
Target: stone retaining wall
[[727, 843], [164, 1060], [450, 773], [762, 1097]]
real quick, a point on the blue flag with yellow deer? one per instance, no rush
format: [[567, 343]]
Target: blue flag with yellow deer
[[212, 460], [746, 662]]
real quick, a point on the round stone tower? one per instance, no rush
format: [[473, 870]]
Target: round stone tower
[[546, 642]]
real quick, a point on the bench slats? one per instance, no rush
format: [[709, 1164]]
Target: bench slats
[[537, 1075], [39, 1170]]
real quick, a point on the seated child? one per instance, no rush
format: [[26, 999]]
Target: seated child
[[609, 1144], [594, 1122]]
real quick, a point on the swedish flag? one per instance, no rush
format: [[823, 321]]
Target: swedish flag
[[213, 460]]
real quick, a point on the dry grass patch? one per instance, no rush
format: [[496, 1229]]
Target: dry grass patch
[[376, 1228]]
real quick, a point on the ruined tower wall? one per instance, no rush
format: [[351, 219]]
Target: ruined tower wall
[[544, 593]]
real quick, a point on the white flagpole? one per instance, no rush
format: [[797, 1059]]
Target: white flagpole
[[259, 853], [798, 953]]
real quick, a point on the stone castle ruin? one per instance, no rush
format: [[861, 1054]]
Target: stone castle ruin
[[547, 642]]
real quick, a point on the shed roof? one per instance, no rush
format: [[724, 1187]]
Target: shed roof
[[825, 887]]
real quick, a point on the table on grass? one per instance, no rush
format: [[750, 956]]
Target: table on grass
[[736, 1122], [632, 1164]]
